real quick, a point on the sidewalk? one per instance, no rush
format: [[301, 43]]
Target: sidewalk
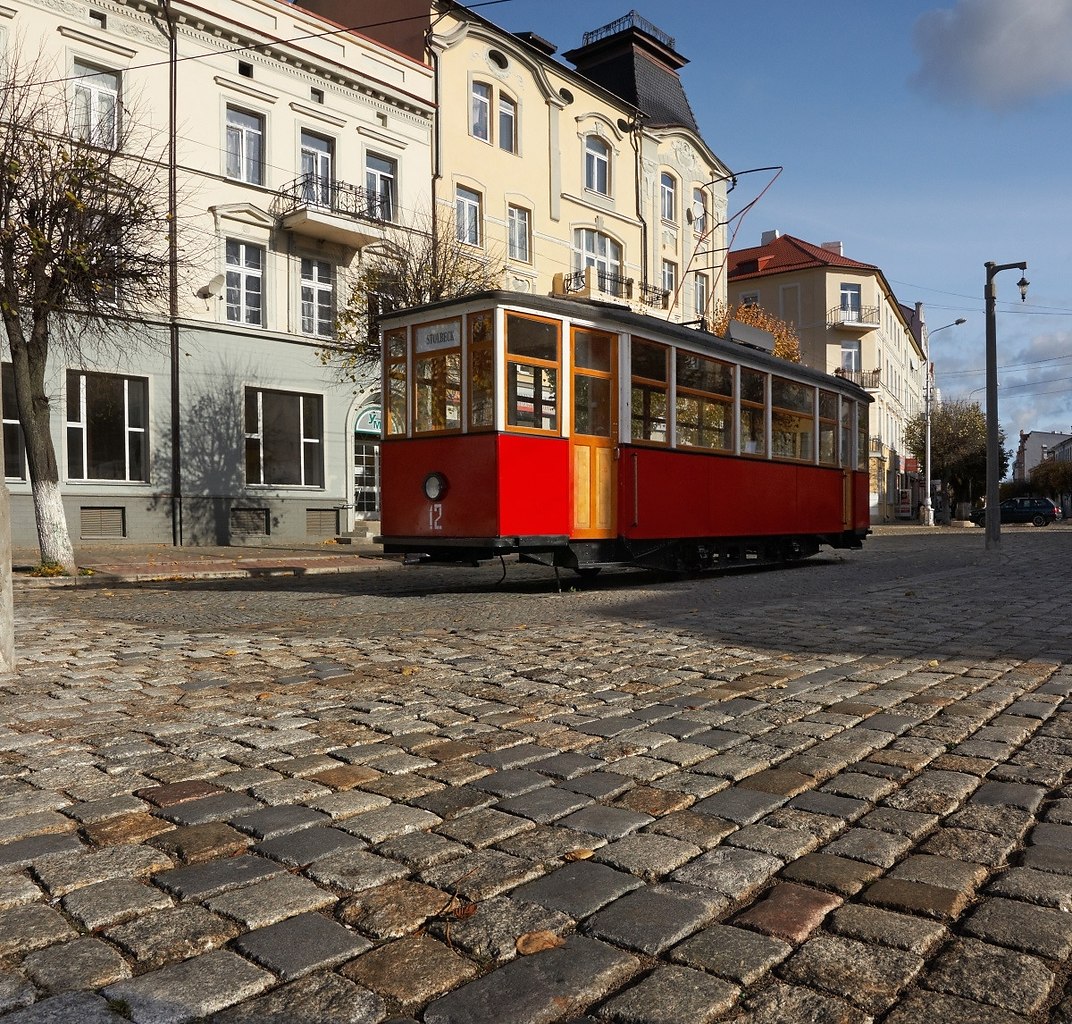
[[163, 561]]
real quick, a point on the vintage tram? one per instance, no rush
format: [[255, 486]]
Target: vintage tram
[[580, 434]]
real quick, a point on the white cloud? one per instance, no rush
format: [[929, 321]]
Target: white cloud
[[995, 53]]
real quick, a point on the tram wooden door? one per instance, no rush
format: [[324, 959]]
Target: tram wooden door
[[594, 432]]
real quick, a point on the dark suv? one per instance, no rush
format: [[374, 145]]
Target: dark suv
[[1040, 511]]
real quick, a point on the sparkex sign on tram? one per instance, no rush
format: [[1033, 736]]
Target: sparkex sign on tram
[[579, 435]]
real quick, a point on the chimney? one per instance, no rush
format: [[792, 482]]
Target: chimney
[[832, 247], [769, 236]]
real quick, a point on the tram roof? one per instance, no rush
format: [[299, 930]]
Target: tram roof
[[625, 319]]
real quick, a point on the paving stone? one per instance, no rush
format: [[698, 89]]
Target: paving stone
[[733, 953], [1021, 926], [843, 807], [198, 843], [899, 822], [990, 974], [1027, 798], [608, 822], [787, 911], [176, 933], [297, 849], [62, 874], [393, 910], [735, 874], [270, 822], [969, 845], [578, 889], [1047, 858], [320, 999], [514, 756], [127, 830], [567, 765], [453, 801], [483, 827], [15, 991], [31, 927], [73, 966], [563, 981], [1001, 819], [600, 785], [412, 970], [940, 871], [222, 807], [83, 1007], [192, 989], [858, 786], [545, 805], [268, 902], [785, 843], [788, 1004], [650, 919], [870, 846], [24, 852], [869, 976], [354, 870], [901, 931], [481, 874], [647, 855], [178, 793], [742, 806], [664, 797], [926, 1007], [492, 930], [201, 880], [702, 830], [390, 822], [548, 844], [845, 877], [112, 902], [421, 849], [16, 890], [670, 995], [916, 898], [300, 945]]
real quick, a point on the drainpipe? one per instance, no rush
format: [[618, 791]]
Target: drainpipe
[[634, 133]]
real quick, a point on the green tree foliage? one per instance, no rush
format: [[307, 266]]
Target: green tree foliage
[[958, 447]]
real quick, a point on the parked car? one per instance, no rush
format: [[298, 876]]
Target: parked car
[[1040, 511]]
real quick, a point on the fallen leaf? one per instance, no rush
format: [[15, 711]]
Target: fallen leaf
[[466, 911], [933, 663], [579, 854], [537, 942], [263, 696]]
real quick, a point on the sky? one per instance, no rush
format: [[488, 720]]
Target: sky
[[928, 136]]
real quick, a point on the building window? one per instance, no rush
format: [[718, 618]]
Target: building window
[[507, 124], [749, 299], [14, 447], [699, 295], [850, 301], [95, 116], [317, 156], [518, 219], [107, 427], [284, 434], [245, 283], [594, 249], [669, 275], [480, 112], [467, 215], [245, 146], [596, 165], [850, 356], [699, 211], [667, 197], [381, 173], [317, 298]]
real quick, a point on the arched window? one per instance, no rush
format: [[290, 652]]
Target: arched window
[[596, 165], [667, 196]]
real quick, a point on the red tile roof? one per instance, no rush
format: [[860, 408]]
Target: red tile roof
[[785, 254]]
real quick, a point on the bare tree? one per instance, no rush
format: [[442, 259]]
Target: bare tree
[[423, 261], [83, 227]]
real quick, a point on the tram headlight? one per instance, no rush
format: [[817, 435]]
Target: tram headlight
[[435, 486]]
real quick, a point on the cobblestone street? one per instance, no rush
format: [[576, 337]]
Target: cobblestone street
[[832, 793]]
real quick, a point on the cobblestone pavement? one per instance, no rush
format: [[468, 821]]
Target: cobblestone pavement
[[835, 793]]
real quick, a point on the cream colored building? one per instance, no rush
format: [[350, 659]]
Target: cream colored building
[[849, 322], [296, 145], [588, 179]]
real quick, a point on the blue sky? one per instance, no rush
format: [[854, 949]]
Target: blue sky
[[928, 136]]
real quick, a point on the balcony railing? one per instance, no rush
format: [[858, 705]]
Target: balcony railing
[[650, 295], [334, 210], [592, 279], [865, 318], [868, 379]]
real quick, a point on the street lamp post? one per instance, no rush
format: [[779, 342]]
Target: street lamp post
[[993, 447], [928, 509]]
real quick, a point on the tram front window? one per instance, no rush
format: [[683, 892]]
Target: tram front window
[[532, 373], [591, 406], [439, 392]]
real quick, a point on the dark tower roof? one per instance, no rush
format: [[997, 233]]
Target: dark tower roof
[[635, 60]]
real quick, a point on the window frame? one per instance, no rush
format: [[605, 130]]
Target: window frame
[[79, 430], [506, 121], [445, 381], [519, 230], [668, 198], [793, 415], [306, 444], [700, 294], [13, 437], [699, 211], [318, 182], [646, 388], [381, 183], [313, 287], [242, 134], [480, 106], [539, 368], [246, 274], [89, 84], [706, 401], [668, 276], [469, 229], [596, 156]]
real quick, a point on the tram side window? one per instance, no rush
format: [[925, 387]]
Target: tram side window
[[481, 371], [753, 412], [846, 432], [650, 385], [792, 419], [437, 378], [394, 344], [704, 402], [861, 437], [828, 424], [532, 372]]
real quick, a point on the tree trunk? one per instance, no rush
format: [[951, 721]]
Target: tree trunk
[[28, 362]]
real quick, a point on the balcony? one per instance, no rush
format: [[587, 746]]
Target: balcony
[[334, 211], [867, 379], [864, 319], [593, 283], [652, 296]]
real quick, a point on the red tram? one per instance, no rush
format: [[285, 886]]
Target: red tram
[[579, 434]]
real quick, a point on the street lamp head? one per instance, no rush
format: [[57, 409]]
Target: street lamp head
[[1022, 285], [959, 321]]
